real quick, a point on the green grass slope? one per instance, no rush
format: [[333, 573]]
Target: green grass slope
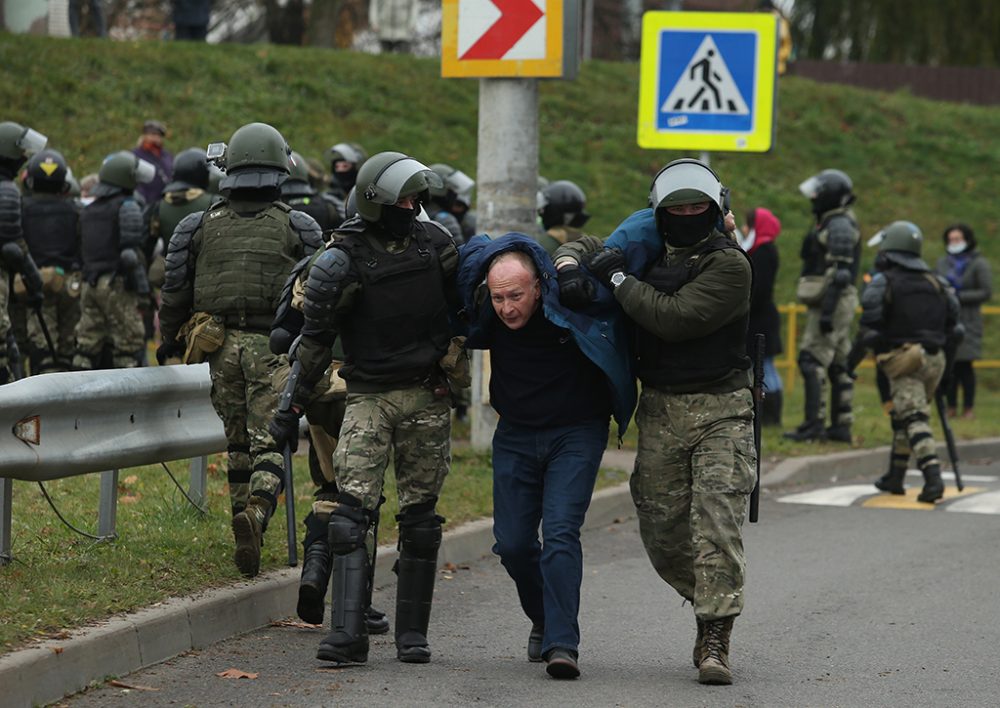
[[929, 162]]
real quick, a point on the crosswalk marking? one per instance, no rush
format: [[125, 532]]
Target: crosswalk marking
[[988, 503], [909, 500]]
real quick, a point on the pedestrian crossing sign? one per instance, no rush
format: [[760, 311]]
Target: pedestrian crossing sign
[[708, 81]]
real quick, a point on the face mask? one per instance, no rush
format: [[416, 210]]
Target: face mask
[[882, 262], [347, 179], [398, 222], [681, 231], [956, 248]]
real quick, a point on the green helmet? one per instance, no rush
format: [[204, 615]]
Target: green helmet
[[256, 156], [18, 143], [902, 236], [298, 183], [300, 169], [387, 177], [346, 152], [686, 181], [124, 170], [452, 180]]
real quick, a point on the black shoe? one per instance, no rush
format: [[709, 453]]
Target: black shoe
[[535, 643], [341, 649], [933, 485], [839, 433], [810, 430], [376, 620], [890, 482], [562, 663], [412, 648]]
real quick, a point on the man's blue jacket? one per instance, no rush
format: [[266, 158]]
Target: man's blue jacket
[[601, 331]]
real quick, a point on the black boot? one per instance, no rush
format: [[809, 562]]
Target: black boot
[[933, 485], [347, 642], [808, 430], [892, 482], [419, 540], [315, 572], [376, 620], [839, 433], [812, 428]]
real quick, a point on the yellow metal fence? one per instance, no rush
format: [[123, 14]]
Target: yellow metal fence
[[789, 360]]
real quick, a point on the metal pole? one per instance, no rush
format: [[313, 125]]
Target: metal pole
[[506, 187], [6, 492], [108, 505], [198, 482], [588, 29], [705, 157]]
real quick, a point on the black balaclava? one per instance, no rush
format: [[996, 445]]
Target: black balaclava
[[397, 222], [683, 231], [346, 180]]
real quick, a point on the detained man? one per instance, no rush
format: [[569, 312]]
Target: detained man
[[557, 376]]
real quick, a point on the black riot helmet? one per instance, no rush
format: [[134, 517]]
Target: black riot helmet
[[562, 203], [17, 144], [47, 172], [828, 190], [190, 171]]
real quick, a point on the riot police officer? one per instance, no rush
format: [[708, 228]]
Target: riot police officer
[[186, 193], [362, 290], [51, 223], [562, 210], [110, 332], [298, 193], [685, 283], [831, 253], [17, 144], [224, 272], [910, 318], [451, 196]]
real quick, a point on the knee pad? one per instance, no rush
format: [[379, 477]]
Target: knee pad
[[420, 530], [348, 529]]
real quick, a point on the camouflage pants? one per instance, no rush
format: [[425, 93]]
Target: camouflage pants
[[911, 413], [246, 401], [109, 315], [830, 351], [694, 468], [414, 425], [61, 312]]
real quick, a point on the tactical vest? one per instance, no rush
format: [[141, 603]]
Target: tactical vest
[[50, 225], [693, 361], [171, 214], [100, 236], [398, 330], [813, 251], [916, 307], [242, 264]]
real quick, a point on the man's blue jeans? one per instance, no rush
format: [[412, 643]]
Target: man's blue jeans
[[545, 475]]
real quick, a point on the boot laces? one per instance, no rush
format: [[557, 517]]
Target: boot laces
[[713, 642]]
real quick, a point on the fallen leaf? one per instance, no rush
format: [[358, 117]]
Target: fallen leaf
[[131, 479], [236, 674], [133, 687], [57, 650], [128, 498], [449, 567], [212, 468], [295, 623]]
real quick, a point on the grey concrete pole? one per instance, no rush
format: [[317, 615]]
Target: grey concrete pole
[[506, 187], [6, 494]]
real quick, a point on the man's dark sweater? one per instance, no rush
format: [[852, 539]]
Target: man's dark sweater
[[540, 378]]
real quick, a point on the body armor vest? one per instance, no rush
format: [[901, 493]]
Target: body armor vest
[[813, 251], [693, 361], [51, 229], [917, 310], [170, 214], [100, 236], [242, 264], [398, 330]]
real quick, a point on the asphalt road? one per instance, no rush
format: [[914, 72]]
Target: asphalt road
[[846, 606]]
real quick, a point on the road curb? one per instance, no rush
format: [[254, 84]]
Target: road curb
[[55, 668]]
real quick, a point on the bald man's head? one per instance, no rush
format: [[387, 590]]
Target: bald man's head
[[514, 288]]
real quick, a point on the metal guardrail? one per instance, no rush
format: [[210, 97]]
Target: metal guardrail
[[789, 360], [64, 424]]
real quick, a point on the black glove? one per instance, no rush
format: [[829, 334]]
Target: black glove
[[826, 323], [607, 263], [284, 428], [167, 350], [575, 289]]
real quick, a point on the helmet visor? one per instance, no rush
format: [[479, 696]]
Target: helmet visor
[[32, 141], [460, 183], [877, 239], [810, 188], [144, 172], [346, 152], [402, 178], [685, 183]]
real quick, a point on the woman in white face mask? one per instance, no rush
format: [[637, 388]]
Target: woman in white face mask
[[969, 273]]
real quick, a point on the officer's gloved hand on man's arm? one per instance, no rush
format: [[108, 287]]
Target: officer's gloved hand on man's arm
[[606, 263], [575, 289], [284, 428]]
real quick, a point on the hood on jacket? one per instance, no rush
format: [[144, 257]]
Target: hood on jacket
[[766, 228]]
